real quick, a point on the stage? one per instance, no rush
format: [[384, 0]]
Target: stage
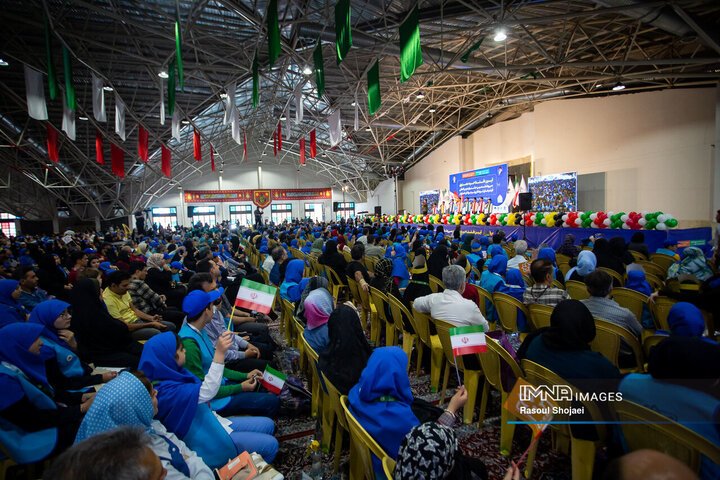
[[553, 236]]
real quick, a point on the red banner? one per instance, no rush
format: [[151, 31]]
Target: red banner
[[257, 196]]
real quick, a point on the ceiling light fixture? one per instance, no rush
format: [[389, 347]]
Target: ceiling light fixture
[[420, 95], [186, 122], [432, 110], [264, 154], [500, 35], [619, 86], [163, 74], [223, 95], [3, 63], [324, 154], [368, 129], [107, 88], [352, 104], [283, 118], [83, 118], [307, 70], [599, 85]]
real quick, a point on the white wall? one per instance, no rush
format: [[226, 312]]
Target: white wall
[[383, 195], [245, 177], [656, 148]]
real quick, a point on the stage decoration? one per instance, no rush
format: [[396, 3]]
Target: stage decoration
[[589, 219], [262, 198]]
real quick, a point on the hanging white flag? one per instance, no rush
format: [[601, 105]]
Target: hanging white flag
[[98, 98], [335, 128], [176, 125], [229, 104], [162, 102], [298, 105], [68, 122], [287, 130], [119, 117], [35, 94], [357, 115], [523, 185], [235, 126]]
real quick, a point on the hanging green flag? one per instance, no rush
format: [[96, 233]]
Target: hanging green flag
[[410, 53], [52, 82], [343, 39], [171, 88], [256, 81], [69, 88], [319, 69], [373, 79], [466, 57], [273, 31], [178, 42]]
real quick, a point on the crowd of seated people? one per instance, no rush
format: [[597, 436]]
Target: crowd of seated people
[[137, 338]]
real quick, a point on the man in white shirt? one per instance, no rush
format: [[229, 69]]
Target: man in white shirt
[[520, 249], [450, 305]]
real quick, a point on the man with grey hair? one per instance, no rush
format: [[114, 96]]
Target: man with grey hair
[[450, 305], [520, 249], [121, 454]]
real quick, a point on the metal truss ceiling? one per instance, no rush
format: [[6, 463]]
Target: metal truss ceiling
[[554, 49]]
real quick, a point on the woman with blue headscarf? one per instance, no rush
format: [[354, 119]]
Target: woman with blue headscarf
[[636, 281], [400, 273], [35, 418], [491, 280], [586, 263], [53, 316], [318, 306], [515, 287], [131, 400], [292, 287], [549, 253], [686, 320], [183, 405], [11, 311], [381, 400]]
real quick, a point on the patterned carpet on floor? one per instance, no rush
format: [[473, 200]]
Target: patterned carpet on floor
[[295, 434]]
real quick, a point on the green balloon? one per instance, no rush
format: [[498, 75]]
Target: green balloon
[[672, 223]]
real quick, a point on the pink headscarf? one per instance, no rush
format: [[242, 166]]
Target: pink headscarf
[[318, 307]]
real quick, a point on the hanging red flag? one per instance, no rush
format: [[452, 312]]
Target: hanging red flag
[[197, 153], [166, 155], [244, 145], [279, 137], [99, 155], [142, 143], [52, 145], [302, 151], [117, 160], [275, 143], [313, 145], [212, 158]]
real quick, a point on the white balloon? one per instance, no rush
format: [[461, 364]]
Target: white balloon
[[578, 221], [624, 218], [668, 217], [607, 222], [662, 218], [593, 216], [644, 213], [625, 226], [661, 226], [532, 217], [642, 222], [565, 217], [610, 214], [544, 221]]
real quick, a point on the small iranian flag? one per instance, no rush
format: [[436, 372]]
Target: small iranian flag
[[466, 340], [273, 380], [255, 296]]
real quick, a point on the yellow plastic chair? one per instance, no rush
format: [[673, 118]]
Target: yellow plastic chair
[[361, 446], [471, 378], [492, 362], [663, 261], [650, 341], [564, 267], [336, 284], [297, 253], [645, 428], [300, 342], [422, 326], [370, 263], [540, 315], [660, 309], [485, 295], [615, 275], [312, 358], [436, 284], [576, 290], [630, 299], [639, 257], [655, 282], [379, 300], [360, 297], [347, 256], [388, 467], [582, 452], [405, 324], [608, 337], [333, 414], [288, 318], [507, 308], [561, 258]]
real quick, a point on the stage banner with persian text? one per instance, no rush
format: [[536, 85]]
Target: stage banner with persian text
[[264, 196], [490, 183]]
